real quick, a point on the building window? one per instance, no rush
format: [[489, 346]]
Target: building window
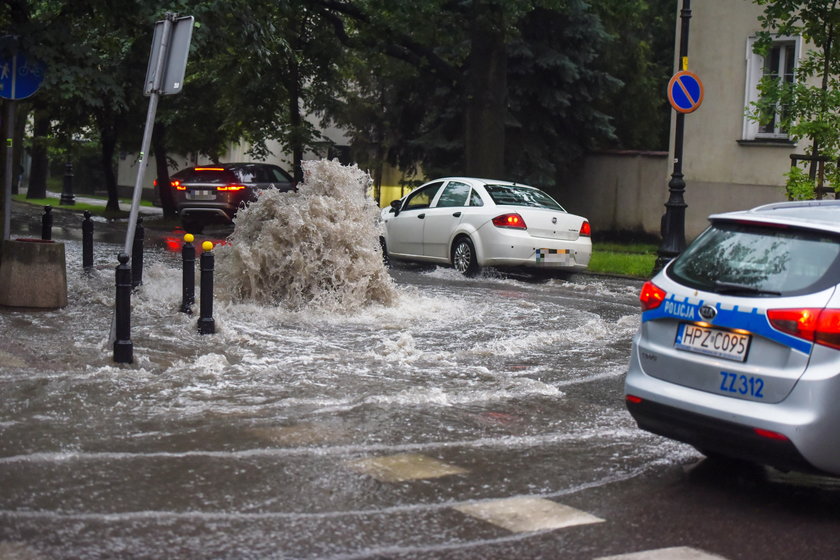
[[780, 63]]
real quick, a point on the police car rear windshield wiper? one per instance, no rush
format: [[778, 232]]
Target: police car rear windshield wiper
[[733, 288]]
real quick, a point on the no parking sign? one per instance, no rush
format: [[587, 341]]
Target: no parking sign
[[685, 92]]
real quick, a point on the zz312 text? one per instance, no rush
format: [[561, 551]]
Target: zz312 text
[[746, 385]]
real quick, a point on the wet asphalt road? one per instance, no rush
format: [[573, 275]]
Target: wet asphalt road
[[478, 419]]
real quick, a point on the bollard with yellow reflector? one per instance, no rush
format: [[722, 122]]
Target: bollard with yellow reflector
[[206, 324], [188, 282]]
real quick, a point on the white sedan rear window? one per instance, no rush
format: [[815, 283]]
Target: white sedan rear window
[[516, 195]]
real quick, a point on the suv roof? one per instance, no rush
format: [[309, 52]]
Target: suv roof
[[808, 214]]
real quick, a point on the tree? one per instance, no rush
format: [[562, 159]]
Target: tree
[[451, 96], [639, 53], [808, 107]]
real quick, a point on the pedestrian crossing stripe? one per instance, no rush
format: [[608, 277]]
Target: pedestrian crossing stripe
[[403, 467], [673, 553], [527, 514]]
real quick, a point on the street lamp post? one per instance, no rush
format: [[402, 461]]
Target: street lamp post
[[673, 222]]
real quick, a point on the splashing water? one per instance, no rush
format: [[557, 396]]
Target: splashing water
[[314, 248]]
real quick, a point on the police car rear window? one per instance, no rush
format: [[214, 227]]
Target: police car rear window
[[759, 261]]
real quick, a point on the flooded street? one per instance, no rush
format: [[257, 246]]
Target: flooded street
[[469, 418], [263, 440]]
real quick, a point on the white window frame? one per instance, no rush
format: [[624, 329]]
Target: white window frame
[[755, 71]]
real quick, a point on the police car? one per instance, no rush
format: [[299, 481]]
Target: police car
[[738, 353]]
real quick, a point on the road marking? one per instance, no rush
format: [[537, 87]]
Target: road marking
[[404, 466], [674, 553], [527, 514]]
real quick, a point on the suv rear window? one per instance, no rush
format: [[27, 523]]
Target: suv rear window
[[261, 174], [206, 175], [754, 260]]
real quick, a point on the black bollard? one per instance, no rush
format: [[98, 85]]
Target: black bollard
[[206, 324], [87, 242], [137, 254], [123, 348], [188, 284], [47, 223]]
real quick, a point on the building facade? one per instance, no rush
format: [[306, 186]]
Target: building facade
[[730, 162]]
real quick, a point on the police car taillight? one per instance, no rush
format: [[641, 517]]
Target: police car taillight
[[813, 324], [651, 296], [770, 434]]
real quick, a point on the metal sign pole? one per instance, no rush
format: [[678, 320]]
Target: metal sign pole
[[7, 190], [147, 133], [147, 140], [673, 222]]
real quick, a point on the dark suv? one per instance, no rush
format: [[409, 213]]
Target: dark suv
[[212, 194]]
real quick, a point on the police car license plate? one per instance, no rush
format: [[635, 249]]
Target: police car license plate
[[713, 342], [201, 195]]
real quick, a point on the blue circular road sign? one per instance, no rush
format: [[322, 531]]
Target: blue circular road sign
[[685, 92], [20, 76]]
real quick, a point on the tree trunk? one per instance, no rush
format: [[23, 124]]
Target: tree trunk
[[167, 201], [17, 157], [40, 163], [108, 148], [486, 103], [295, 118]]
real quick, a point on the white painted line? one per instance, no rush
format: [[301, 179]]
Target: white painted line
[[674, 553], [527, 514], [404, 466]]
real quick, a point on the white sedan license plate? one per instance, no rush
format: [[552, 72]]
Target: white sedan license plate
[[201, 195], [553, 256], [713, 342]]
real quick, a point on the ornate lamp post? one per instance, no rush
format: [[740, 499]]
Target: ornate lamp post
[[673, 222]]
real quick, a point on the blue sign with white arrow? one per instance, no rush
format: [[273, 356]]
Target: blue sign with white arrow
[[20, 76]]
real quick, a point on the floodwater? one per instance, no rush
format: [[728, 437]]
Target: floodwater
[[253, 442]]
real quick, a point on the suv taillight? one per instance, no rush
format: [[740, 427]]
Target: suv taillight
[[176, 184], [231, 188], [813, 324], [513, 221], [651, 296]]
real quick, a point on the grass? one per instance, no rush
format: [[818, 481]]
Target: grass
[[631, 259]]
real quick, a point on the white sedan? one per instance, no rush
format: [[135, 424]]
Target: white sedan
[[472, 223]]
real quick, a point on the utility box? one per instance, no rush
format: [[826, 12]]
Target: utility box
[[33, 273]]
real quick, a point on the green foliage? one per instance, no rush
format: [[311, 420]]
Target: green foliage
[[639, 53], [810, 106], [400, 77], [799, 185], [414, 83]]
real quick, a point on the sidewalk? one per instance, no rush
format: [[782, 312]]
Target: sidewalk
[[126, 206]]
